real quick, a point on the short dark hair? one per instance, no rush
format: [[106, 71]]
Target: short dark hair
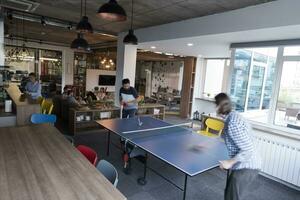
[[32, 74], [125, 81], [221, 97]]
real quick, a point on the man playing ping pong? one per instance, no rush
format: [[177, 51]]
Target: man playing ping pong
[[129, 105], [244, 163], [128, 99]]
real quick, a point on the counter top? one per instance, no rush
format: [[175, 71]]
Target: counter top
[[18, 97], [109, 108]]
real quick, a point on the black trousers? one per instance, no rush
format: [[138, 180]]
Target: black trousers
[[238, 182], [128, 113]]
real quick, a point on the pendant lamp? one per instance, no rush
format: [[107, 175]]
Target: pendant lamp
[[84, 26], [130, 38], [112, 11]]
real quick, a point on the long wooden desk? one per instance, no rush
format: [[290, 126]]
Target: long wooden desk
[[23, 105], [37, 163]]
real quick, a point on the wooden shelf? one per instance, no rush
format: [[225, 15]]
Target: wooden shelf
[[79, 126]]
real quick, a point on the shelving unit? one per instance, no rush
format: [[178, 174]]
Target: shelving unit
[[79, 77], [82, 119], [188, 87]]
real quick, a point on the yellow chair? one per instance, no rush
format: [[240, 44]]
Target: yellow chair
[[40, 100], [212, 124], [47, 107]]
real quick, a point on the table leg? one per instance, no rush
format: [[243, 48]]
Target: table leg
[[185, 185], [108, 143], [142, 180]]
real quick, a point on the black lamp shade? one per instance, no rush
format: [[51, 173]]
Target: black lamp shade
[[130, 38], [112, 11], [84, 26], [80, 43]]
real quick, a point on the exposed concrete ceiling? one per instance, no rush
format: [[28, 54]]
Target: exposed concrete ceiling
[[147, 13]]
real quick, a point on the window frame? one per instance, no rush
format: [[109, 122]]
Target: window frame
[[275, 90]]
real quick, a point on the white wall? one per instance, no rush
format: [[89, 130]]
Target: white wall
[[92, 79]]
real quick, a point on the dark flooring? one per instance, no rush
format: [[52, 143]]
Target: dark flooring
[[207, 186]]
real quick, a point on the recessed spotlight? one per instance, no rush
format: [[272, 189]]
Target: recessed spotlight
[[153, 47], [190, 44]]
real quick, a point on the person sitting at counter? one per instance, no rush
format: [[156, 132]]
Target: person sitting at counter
[[33, 87], [71, 99], [100, 94]]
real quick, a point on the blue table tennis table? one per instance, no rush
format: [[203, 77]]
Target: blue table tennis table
[[173, 144]]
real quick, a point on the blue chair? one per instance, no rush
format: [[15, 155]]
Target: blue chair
[[43, 118], [109, 171], [51, 119]]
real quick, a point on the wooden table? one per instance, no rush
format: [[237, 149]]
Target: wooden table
[[37, 163]]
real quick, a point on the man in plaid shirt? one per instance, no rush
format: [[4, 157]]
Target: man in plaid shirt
[[244, 163]]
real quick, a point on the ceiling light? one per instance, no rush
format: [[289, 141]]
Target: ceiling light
[[80, 43], [112, 11], [43, 21], [84, 26], [130, 38], [70, 27], [190, 44]]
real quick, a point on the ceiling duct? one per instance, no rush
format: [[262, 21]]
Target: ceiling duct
[[22, 5]]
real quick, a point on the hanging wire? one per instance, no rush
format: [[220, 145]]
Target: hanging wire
[[80, 8], [131, 14], [85, 8]]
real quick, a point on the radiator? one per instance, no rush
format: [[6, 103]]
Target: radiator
[[280, 160]]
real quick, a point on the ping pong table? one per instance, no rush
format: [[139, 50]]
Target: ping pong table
[[173, 144]]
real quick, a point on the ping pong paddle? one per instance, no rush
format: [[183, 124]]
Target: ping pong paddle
[[198, 147]]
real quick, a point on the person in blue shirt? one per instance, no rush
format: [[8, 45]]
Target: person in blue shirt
[[244, 163], [33, 87]]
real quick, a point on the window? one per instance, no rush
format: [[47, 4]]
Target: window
[[265, 85], [213, 77], [288, 103], [240, 76], [252, 81]]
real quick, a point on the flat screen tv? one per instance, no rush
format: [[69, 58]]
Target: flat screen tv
[[107, 80]]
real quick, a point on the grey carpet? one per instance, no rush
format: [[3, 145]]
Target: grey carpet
[[207, 186]]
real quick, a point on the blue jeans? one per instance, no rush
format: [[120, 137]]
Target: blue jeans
[[129, 113]]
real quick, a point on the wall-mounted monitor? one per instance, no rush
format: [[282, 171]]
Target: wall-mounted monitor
[[107, 80]]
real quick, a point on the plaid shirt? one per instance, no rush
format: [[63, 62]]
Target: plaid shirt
[[239, 142]]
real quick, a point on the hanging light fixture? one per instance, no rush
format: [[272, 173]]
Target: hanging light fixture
[[84, 26], [80, 43], [106, 61], [130, 38], [112, 11]]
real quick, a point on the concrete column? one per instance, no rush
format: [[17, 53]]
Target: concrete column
[[2, 53], [68, 66], [126, 65]]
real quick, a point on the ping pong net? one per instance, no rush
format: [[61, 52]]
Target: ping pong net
[[158, 131]]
